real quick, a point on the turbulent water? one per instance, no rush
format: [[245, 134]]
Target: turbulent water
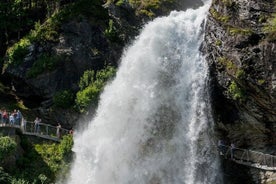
[[153, 125]]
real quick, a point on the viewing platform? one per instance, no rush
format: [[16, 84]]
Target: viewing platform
[[42, 130], [250, 158]]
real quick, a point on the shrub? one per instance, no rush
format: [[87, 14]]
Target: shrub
[[64, 99], [65, 146], [18, 51], [86, 79], [240, 74], [218, 16], [43, 162], [270, 28], [7, 146], [86, 97], [236, 92], [55, 155], [91, 86], [45, 62], [4, 177], [240, 31], [111, 32], [45, 32], [148, 7]]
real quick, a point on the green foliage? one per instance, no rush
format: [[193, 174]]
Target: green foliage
[[20, 181], [119, 2], [42, 178], [65, 146], [64, 99], [236, 92], [86, 97], [148, 7], [7, 146], [43, 162], [111, 32], [4, 177], [261, 81], [270, 28], [50, 155], [54, 154], [45, 32], [227, 2], [91, 86], [219, 17], [44, 63], [231, 5], [240, 31], [104, 75], [86, 79], [218, 43], [240, 74], [18, 51], [229, 65]]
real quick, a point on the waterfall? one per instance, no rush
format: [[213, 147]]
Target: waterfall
[[153, 123]]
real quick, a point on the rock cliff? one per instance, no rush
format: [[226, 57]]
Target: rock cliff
[[82, 36], [241, 55]]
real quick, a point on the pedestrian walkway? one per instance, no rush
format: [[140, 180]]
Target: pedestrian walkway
[[250, 158], [42, 130]]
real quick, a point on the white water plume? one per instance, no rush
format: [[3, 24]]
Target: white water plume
[[152, 121]]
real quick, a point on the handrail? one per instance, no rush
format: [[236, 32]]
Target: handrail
[[42, 130], [249, 157]]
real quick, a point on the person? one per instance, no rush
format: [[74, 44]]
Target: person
[[232, 149], [221, 147], [36, 125], [59, 130], [71, 131], [14, 116], [24, 124], [11, 119], [5, 116], [18, 117]]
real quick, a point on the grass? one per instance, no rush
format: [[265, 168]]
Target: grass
[[240, 31], [219, 17]]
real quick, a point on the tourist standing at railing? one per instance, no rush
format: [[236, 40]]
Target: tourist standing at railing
[[221, 147], [5, 116], [18, 117], [14, 116], [59, 130], [11, 119], [24, 124], [36, 125], [232, 150]]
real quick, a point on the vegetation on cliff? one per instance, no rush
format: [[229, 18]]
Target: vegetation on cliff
[[240, 38], [40, 162], [91, 85]]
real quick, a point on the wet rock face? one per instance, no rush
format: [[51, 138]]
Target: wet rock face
[[242, 61], [241, 56]]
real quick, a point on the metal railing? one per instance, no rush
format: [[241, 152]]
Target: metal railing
[[40, 130], [250, 157]]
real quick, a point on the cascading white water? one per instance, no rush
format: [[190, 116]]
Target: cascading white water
[[152, 121]]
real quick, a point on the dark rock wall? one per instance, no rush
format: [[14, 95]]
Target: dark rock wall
[[241, 56], [242, 61]]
